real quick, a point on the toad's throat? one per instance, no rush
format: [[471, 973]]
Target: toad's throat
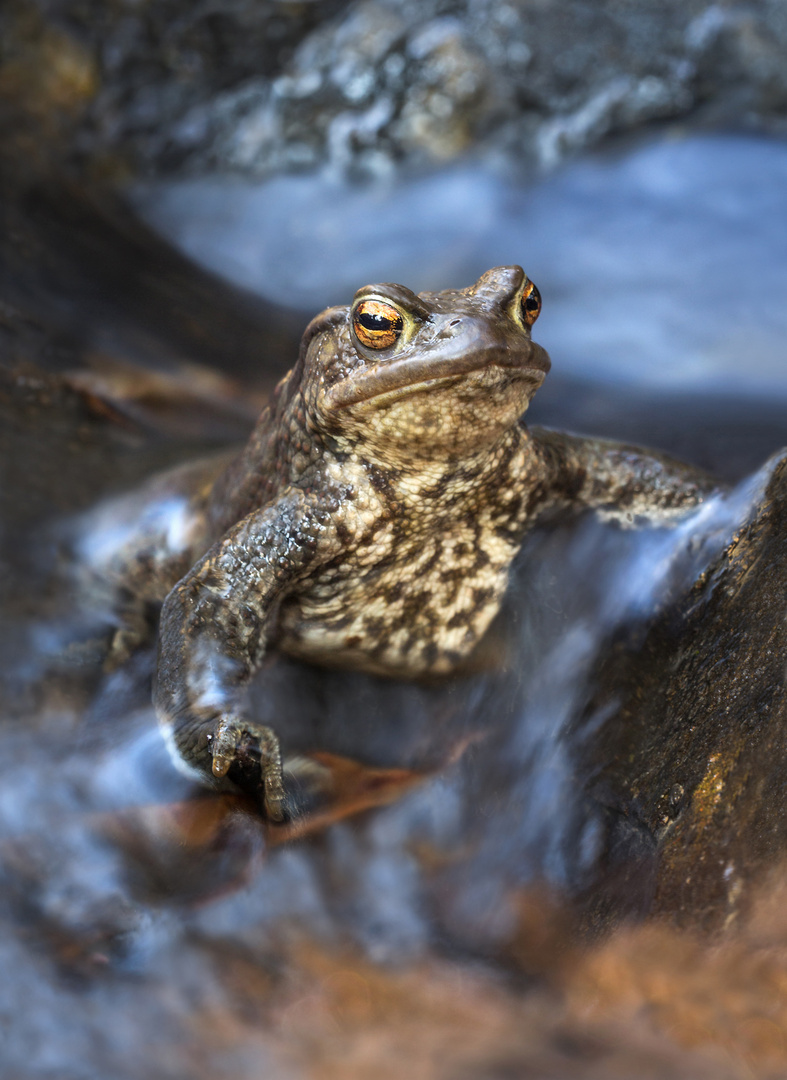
[[532, 363]]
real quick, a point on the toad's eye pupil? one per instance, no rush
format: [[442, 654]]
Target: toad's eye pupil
[[531, 303], [377, 325], [374, 322]]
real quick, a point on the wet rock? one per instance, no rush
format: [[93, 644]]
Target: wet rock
[[264, 87], [694, 757], [48, 76], [81, 278]]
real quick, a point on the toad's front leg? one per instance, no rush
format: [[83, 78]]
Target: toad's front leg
[[215, 625]]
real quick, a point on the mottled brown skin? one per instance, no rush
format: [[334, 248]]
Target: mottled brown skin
[[373, 516]]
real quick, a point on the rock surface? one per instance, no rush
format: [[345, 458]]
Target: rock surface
[[695, 757], [264, 87]]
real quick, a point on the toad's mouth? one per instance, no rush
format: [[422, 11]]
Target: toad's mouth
[[414, 375]]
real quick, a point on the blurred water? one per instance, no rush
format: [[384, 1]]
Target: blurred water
[[662, 266]]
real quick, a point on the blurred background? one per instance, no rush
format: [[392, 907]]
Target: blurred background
[[183, 186]]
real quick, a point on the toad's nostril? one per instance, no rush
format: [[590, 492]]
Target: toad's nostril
[[454, 322]]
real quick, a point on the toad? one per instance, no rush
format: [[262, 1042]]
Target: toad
[[370, 521]]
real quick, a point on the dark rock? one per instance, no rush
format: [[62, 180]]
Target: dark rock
[[80, 276], [695, 755]]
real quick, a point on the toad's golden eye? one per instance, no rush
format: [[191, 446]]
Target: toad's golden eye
[[377, 325], [531, 303]]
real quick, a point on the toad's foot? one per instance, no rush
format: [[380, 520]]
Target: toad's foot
[[250, 755]]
